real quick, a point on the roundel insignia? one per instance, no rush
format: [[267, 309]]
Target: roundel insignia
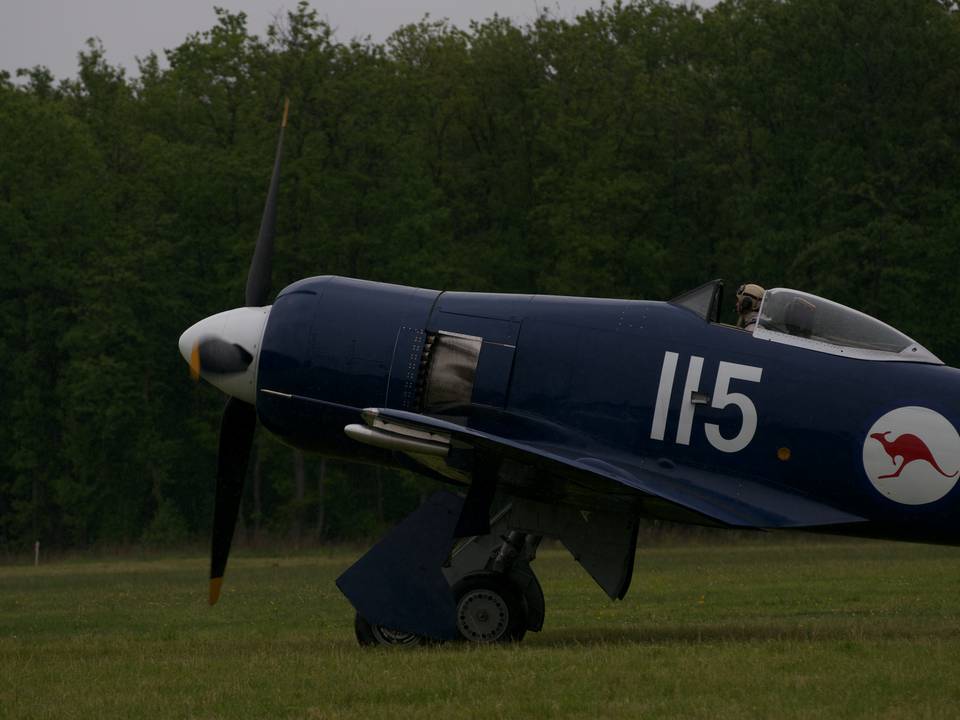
[[912, 455]]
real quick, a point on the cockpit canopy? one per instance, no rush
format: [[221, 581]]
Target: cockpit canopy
[[798, 318]]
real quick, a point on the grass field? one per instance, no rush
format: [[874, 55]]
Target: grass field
[[771, 628]]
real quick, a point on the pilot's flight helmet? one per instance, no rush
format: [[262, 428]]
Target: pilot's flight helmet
[[749, 296]]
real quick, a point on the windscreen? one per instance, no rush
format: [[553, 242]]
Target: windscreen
[[809, 317]]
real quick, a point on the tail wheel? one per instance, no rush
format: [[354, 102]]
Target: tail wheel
[[371, 634], [489, 609]]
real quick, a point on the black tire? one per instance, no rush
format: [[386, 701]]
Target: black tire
[[369, 635], [489, 609]]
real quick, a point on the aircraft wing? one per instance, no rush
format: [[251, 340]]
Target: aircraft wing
[[723, 499]]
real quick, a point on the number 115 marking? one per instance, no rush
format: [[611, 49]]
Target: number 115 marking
[[722, 397]]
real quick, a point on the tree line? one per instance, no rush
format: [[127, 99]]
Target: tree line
[[636, 150]]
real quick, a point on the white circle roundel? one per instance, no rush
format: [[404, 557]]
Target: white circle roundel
[[912, 455]]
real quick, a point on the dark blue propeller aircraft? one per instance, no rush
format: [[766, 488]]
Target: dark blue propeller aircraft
[[572, 418]]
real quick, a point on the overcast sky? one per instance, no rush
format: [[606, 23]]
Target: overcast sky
[[52, 32]]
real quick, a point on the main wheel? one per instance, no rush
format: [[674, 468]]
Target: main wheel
[[489, 609], [371, 634]]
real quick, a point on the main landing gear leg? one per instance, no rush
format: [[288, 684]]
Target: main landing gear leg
[[497, 594], [411, 588]]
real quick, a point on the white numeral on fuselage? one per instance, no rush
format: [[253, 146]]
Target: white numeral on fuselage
[[721, 398]]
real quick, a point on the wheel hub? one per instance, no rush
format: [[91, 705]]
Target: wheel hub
[[482, 615]]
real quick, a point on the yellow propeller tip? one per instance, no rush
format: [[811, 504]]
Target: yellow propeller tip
[[286, 109], [215, 584], [195, 362]]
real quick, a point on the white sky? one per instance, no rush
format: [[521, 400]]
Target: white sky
[[52, 32]]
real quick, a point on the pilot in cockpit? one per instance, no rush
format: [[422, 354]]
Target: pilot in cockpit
[[749, 296]]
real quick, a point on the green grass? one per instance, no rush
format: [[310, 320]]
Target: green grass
[[773, 628]]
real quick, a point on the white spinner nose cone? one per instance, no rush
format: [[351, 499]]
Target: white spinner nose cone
[[242, 326]]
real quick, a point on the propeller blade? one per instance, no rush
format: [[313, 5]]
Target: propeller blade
[[195, 362], [236, 439], [239, 418], [215, 355], [258, 277]]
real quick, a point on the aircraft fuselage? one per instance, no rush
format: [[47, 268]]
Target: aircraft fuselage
[[648, 383]]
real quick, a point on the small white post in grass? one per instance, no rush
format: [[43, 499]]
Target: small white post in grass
[[36, 553]]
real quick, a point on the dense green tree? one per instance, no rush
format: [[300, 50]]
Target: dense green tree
[[52, 205]]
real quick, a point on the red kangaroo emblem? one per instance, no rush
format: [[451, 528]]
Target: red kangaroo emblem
[[909, 448]]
